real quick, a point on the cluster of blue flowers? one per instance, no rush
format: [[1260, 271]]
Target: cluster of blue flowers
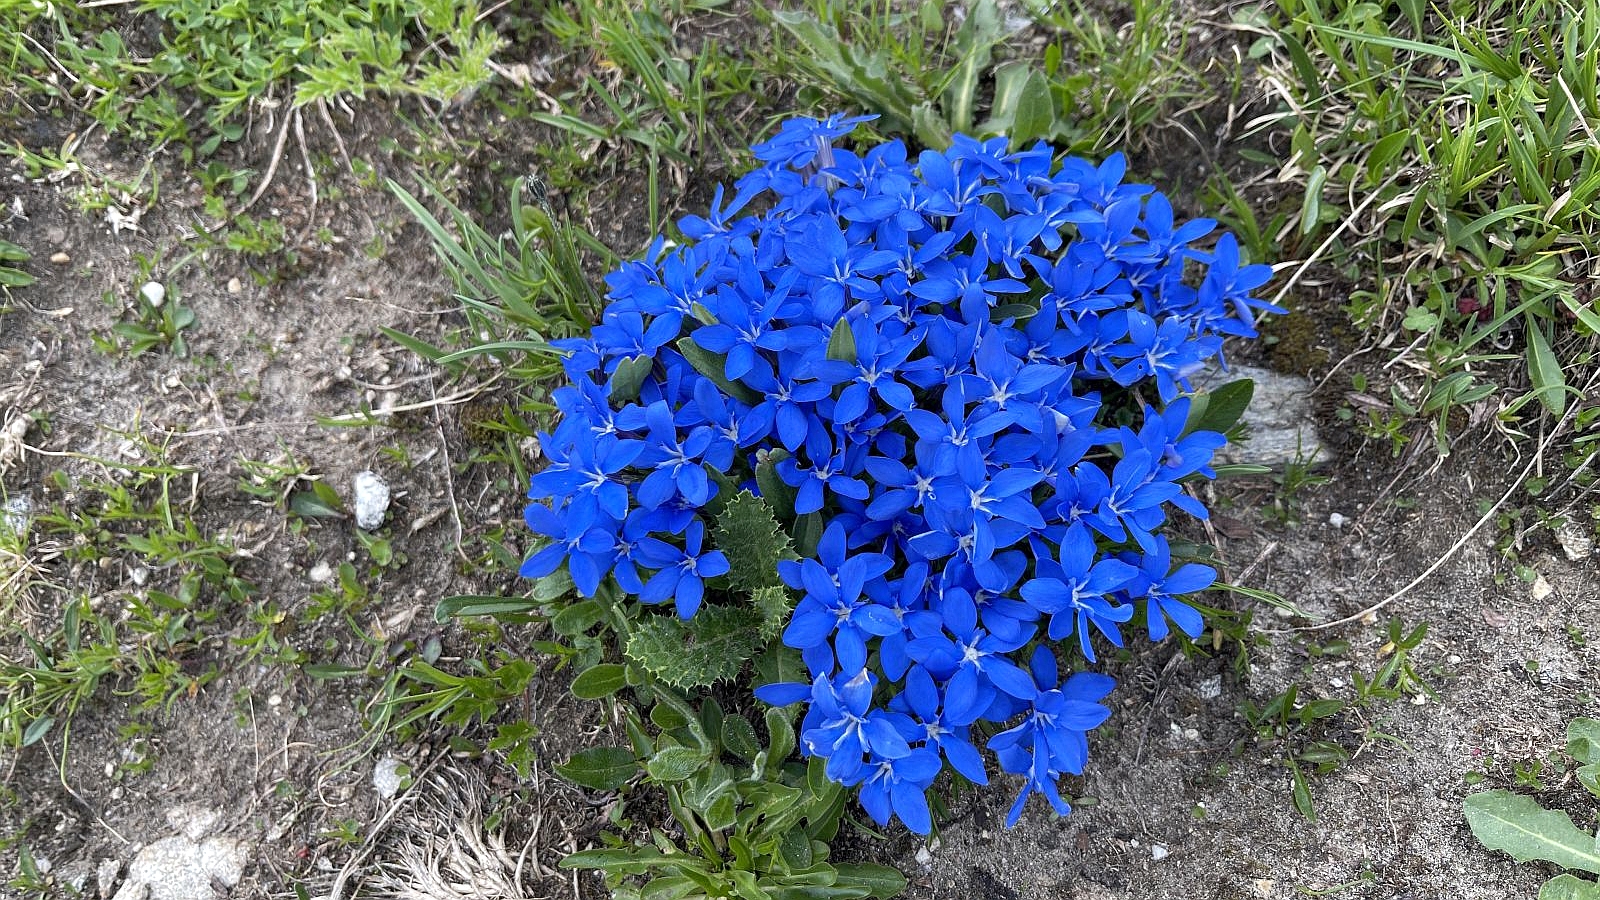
[[971, 366]]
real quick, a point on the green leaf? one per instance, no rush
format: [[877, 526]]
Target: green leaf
[[1220, 409], [1583, 739], [668, 887], [974, 45], [599, 681], [774, 604], [629, 377], [311, 506], [673, 764], [1567, 886], [1023, 109], [1544, 370], [599, 769], [621, 860], [842, 342], [1302, 794], [1589, 777], [37, 729], [739, 737], [577, 618], [711, 647], [780, 736], [748, 534], [714, 367], [1583, 311], [879, 881], [480, 605], [1517, 825], [778, 494]]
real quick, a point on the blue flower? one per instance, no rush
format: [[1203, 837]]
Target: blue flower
[[682, 572]]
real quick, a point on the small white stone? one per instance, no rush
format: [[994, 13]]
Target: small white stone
[[924, 858], [17, 514], [372, 500], [1191, 734], [386, 777], [1575, 543], [1209, 688], [321, 572], [1453, 659], [1337, 520], [153, 293], [274, 700], [106, 874], [1158, 852], [1541, 589], [235, 285]]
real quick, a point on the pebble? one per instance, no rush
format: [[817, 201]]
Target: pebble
[[1209, 688], [60, 258], [153, 293], [1541, 589], [1158, 852], [1337, 520], [386, 777], [105, 876], [372, 500], [274, 700], [1575, 543], [17, 514], [321, 572], [235, 285]]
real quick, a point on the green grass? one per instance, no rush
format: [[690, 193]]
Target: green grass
[[1451, 175], [236, 59]]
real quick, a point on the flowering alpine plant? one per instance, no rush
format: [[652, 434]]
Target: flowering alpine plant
[[960, 381]]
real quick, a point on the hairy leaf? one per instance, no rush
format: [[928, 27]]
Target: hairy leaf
[[600, 768], [711, 647], [748, 534]]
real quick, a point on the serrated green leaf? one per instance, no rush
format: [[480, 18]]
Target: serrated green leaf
[[1517, 825], [599, 681], [842, 342], [1567, 886], [711, 647], [600, 768], [674, 764], [1544, 370], [881, 882], [748, 534], [1583, 739], [774, 604]]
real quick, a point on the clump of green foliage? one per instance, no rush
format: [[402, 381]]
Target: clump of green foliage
[[241, 58], [1449, 166]]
